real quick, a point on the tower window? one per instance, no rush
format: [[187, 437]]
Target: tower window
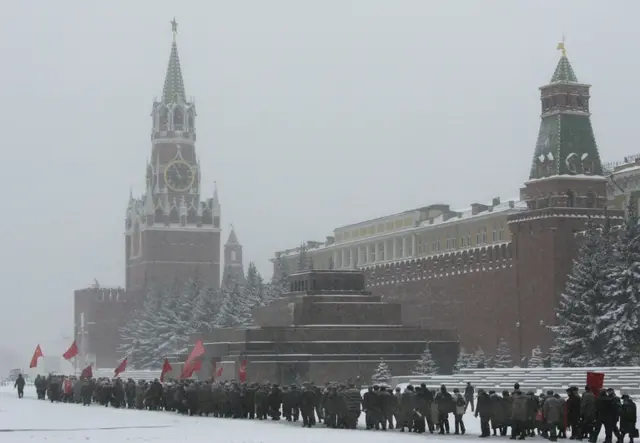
[[571, 199], [233, 255], [591, 200], [178, 119]]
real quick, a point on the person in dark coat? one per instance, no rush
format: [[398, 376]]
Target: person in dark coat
[[19, 385], [86, 391], [553, 413], [518, 416], [468, 396], [354, 406], [445, 406], [483, 409], [588, 414], [497, 412], [606, 416], [573, 413], [627, 418]]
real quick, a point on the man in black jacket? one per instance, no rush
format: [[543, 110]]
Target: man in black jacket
[[468, 396], [20, 385]]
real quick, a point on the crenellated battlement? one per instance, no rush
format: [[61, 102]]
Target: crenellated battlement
[[162, 210], [105, 294], [480, 259]]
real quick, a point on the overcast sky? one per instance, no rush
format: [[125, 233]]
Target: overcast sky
[[312, 115]]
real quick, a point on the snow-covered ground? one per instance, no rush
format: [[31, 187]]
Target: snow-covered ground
[[30, 420]]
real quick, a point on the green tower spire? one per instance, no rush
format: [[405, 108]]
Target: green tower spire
[[173, 90], [566, 144]]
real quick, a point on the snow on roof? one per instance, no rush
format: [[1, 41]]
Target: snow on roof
[[509, 205], [568, 177]]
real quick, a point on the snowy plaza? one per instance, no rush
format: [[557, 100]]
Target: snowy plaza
[[30, 420]]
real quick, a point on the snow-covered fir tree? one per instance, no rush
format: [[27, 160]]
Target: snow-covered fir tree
[[206, 310], [481, 358], [621, 317], [536, 359], [502, 359], [253, 291], [382, 374], [578, 333], [426, 365], [466, 360], [176, 324], [279, 284], [235, 311], [139, 334]]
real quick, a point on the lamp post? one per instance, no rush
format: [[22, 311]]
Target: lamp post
[[519, 327]]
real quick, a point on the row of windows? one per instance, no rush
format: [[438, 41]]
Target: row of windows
[[379, 228], [403, 247]]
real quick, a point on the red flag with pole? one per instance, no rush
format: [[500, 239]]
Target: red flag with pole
[[121, 368], [190, 365], [71, 352], [242, 372], [87, 372], [36, 355], [166, 367]]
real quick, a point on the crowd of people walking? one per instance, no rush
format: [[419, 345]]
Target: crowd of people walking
[[416, 409]]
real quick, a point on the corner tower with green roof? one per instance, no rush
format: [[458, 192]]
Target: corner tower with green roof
[[565, 187], [566, 144]]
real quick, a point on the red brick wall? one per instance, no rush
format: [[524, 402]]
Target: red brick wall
[[472, 291]]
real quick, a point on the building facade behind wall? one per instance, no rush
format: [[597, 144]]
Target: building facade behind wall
[[493, 270]]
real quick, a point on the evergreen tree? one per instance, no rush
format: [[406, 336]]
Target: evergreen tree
[[279, 285], [465, 360], [502, 359], [176, 323], [621, 322], [235, 311], [206, 310], [481, 358], [536, 360], [139, 334], [382, 374], [253, 291], [425, 365], [578, 333]]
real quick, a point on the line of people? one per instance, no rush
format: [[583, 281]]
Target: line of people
[[550, 415], [417, 409]]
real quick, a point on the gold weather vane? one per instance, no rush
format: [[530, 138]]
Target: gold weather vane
[[174, 27], [561, 47]]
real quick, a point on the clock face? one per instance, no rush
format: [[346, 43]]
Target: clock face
[[179, 176]]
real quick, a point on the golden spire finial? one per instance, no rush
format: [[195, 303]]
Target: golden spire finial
[[561, 47], [174, 27]]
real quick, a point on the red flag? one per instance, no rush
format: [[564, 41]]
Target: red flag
[[189, 365], [121, 368], [166, 367], [36, 355], [87, 372], [595, 381], [71, 352], [219, 372], [198, 351], [242, 372]]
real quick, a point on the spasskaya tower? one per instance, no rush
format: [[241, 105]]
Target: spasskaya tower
[[172, 232]]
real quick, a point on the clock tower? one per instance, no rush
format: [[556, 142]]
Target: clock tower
[[172, 232]]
